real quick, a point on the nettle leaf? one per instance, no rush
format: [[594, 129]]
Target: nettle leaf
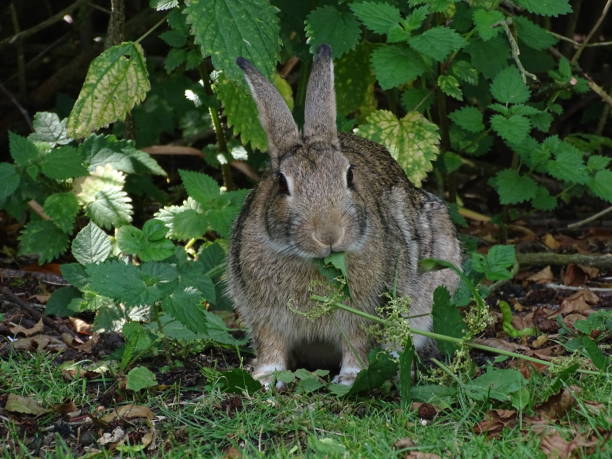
[[438, 42], [63, 163], [509, 88], [74, 274], [43, 238], [110, 208], [59, 300], [396, 64], [140, 378], [546, 7], [543, 200], [49, 128], [116, 81], [497, 264], [514, 188], [417, 99], [91, 245], [162, 5], [379, 17], [23, 151], [241, 112], [533, 35], [489, 57], [464, 71], [149, 244], [595, 162], [63, 209], [484, 20], [226, 30], [446, 320], [413, 140], [338, 29], [512, 129], [186, 307], [601, 184], [121, 282], [199, 186], [468, 118], [9, 180], [568, 165], [449, 85], [184, 222]]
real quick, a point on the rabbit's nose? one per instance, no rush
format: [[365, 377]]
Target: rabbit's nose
[[328, 236]]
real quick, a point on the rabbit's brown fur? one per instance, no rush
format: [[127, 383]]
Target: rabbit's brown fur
[[309, 205]]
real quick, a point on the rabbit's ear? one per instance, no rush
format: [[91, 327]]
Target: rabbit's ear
[[274, 115], [320, 105]]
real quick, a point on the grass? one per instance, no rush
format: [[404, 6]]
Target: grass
[[206, 422]]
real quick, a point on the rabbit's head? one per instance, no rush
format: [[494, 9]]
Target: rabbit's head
[[313, 204]]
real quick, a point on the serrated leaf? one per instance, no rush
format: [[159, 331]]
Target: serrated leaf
[[396, 64], [23, 151], [49, 128], [514, 188], [59, 300], [484, 21], [116, 81], [446, 320], [63, 163], [468, 118], [63, 209], [146, 245], [449, 85], [186, 307], [594, 163], [509, 88], [140, 378], [546, 7], [91, 245], [464, 71], [489, 57], [568, 165], [110, 208], [175, 58], [199, 186], [525, 110], [9, 180], [379, 17], [543, 200], [226, 30], [533, 35], [601, 184], [327, 25], [121, 282], [43, 238], [74, 274], [162, 5], [100, 179], [512, 129], [417, 99], [412, 141], [174, 38], [438, 42], [414, 20]]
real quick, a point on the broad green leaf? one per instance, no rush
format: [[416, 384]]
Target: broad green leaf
[[546, 7], [327, 25], [438, 42], [601, 184], [91, 245], [147, 245], [43, 238], [512, 129], [338, 261], [379, 17], [238, 381], [496, 383], [568, 165], [514, 188], [412, 140], [446, 320], [489, 57], [185, 221], [63, 163], [137, 340], [174, 59], [354, 81], [525, 110], [381, 367], [74, 274], [102, 178], [595, 162], [199, 186], [449, 85], [59, 301], [121, 282], [396, 64], [186, 307], [533, 35], [497, 264], [211, 257], [116, 81], [227, 29], [23, 151], [484, 21], [9, 180], [509, 88], [110, 208], [417, 99], [543, 200], [63, 209], [140, 378], [468, 118], [49, 128], [464, 71]]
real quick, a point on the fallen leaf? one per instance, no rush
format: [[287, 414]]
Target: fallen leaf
[[550, 241], [495, 421], [42, 298], [16, 329], [88, 345], [231, 453], [148, 438], [404, 443], [420, 455], [502, 344], [543, 276], [546, 353], [581, 301], [590, 271], [559, 404], [128, 412], [572, 318], [115, 436], [39, 343], [65, 408], [574, 276], [543, 321], [554, 445], [80, 326], [25, 405]]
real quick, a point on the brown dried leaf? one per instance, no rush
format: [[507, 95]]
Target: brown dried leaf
[[16, 329], [590, 271], [574, 276], [421, 455], [502, 344], [581, 301], [25, 405], [550, 241], [559, 404], [116, 436], [554, 445], [38, 343], [495, 421], [571, 319], [88, 346], [65, 408], [80, 326], [543, 321], [128, 412], [543, 276], [404, 443], [232, 453]]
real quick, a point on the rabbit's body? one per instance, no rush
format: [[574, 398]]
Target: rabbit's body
[[328, 192]]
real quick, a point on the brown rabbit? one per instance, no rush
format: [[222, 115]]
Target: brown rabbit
[[329, 192]]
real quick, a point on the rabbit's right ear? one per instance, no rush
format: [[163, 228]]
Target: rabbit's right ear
[[274, 114]]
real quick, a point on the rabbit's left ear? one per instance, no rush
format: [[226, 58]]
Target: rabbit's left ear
[[320, 104]]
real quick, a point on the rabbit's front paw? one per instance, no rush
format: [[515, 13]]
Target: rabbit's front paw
[[265, 375], [346, 376]]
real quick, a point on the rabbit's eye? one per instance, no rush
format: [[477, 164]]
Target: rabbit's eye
[[283, 186], [349, 177]]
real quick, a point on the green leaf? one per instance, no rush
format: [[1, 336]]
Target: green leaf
[[379, 17], [438, 42], [183, 222], [140, 378], [174, 59], [226, 30], [412, 141], [546, 7], [406, 359], [199, 186], [23, 151], [43, 238], [238, 381], [464, 71], [63, 163], [514, 188], [468, 118], [48, 128], [122, 282], [327, 25], [59, 301], [91, 245], [138, 340], [417, 99], [446, 320], [594, 163], [533, 35], [162, 5], [543, 200], [338, 261], [111, 208], [512, 129], [9, 180], [149, 244], [489, 57], [174, 38], [63, 209], [600, 360], [186, 307], [601, 184], [74, 274], [498, 263], [509, 88], [354, 81], [568, 165], [381, 368], [449, 85], [484, 20], [396, 64], [116, 81], [496, 383]]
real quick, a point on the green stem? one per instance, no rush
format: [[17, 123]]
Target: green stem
[[148, 32]]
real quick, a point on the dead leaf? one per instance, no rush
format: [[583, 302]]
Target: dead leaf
[[554, 445], [421, 455], [590, 271], [559, 404], [116, 436], [128, 412], [574, 276], [148, 439], [502, 344], [543, 321], [39, 343], [495, 421], [232, 453], [550, 241], [571, 319], [42, 298], [88, 346], [543, 276], [16, 329], [581, 301], [546, 353], [404, 443], [66, 408], [25, 405], [80, 326]]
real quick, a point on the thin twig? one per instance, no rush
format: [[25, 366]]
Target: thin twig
[[577, 43], [569, 287], [20, 54], [601, 92], [38, 209], [516, 52], [580, 49], [172, 150], [548, 258], [590, 219], [20, 107]]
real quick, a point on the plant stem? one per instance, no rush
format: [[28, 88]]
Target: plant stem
[[579, 51], [148, 32]]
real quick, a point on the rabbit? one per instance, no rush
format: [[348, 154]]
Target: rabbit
[[327, 192]]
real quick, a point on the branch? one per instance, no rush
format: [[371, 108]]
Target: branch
[[592, 32], [590, 219], [548, 258]]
